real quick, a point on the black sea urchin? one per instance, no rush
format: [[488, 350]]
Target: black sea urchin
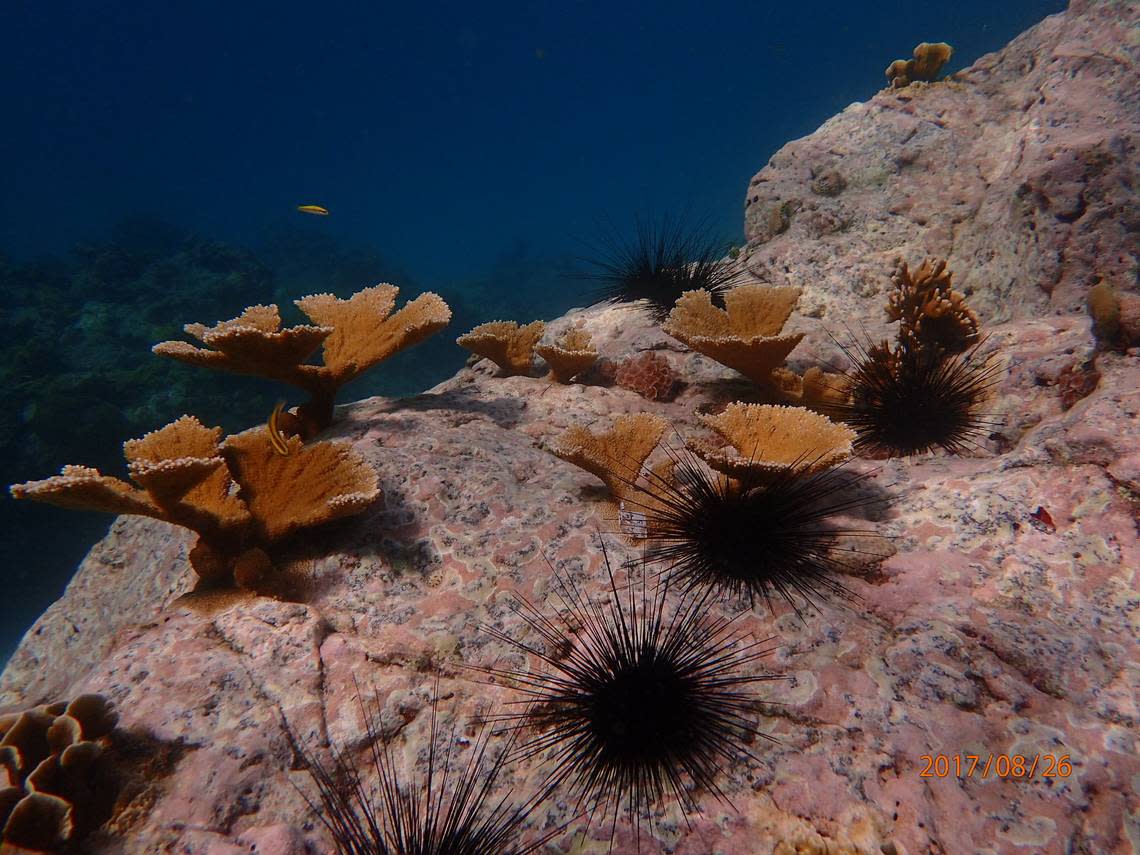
[[441, 815], [662, 262], [633, 701], [903, 401], [775, 538]]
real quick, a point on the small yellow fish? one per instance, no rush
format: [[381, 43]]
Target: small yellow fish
[[313, 209], [276, 438]]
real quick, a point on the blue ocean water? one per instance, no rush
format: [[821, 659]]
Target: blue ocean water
[[153, 156]]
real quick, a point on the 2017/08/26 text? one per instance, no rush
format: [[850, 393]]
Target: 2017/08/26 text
[[999, 765]]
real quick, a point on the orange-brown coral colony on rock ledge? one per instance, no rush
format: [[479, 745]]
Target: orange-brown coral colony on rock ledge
[[505, 343], [747, 334], [924, 392], [356, 334], [239, 495], [928, 59], [617, 455], [930, 313], [572, 353], [764, 439]]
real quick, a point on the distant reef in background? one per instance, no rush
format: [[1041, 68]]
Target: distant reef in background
[[77, 376]]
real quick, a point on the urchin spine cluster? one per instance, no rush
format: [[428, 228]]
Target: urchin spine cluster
[[770, 540], [908, 401], [633, 698], [659, 264], [440, 815]]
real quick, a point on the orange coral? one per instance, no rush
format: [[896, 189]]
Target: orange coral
[[817, 388], [764, 439], [930, 313], [505, 343], [238, 495], [1104, 308], [616, 456], [47, 754], [366, 332], [570, 355], [929, 57], [314, 484], [745, 334], [356, 334], [823, 388]]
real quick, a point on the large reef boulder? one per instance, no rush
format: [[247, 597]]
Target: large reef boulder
[[987, 633], [1020, 170]]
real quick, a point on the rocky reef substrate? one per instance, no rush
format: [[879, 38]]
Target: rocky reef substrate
[[985, 634]]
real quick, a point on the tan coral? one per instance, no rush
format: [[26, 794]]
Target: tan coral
[[929, 311], [928, 59], [39, 822], [786, 384], [364, 330], [252, 343], [181, 469], [617, 455], [745, 334], [49, 753], [95, 715], [315, 484], [356, 334], [570, 355], [817, 389], [765, 439], [238, 496], [824, 388], [505, 343], [86, 718], [87, 489], [898, 73]]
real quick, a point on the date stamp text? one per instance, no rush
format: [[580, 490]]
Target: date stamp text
[[1026, 766]]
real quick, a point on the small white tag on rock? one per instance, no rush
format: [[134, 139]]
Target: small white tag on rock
[[632, 522]]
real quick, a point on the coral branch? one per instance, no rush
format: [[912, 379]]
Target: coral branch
[[745, 334], [238, 496]]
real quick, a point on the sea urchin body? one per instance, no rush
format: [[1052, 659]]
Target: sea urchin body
[[774, 538], [907, 401], [645, 699], [660, 264]]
